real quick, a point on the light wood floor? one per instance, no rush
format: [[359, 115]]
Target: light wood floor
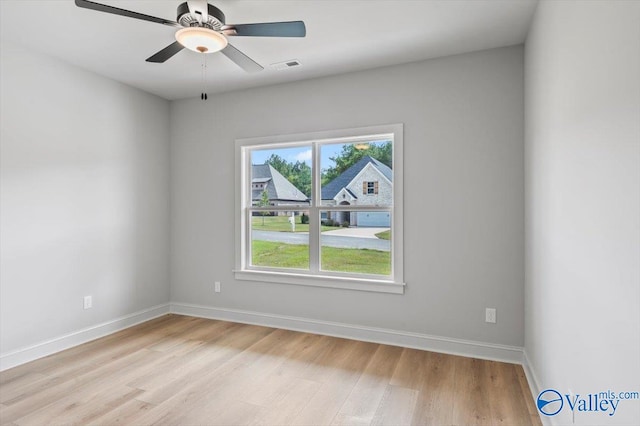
[[181, 370]]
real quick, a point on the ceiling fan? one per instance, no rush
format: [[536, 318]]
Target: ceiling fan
[[202, 28]]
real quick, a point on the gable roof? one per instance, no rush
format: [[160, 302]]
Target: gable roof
[[277, 186], [330, 190]]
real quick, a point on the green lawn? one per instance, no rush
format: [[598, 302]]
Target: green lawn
[[281, 224], [384, 235], [281, 255]]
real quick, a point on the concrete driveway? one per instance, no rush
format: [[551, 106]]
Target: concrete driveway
[[340, 241], [356, 232]]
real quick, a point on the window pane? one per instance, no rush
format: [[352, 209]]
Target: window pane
[[280, 239], [281, 176], [357, 174], [356, 242]]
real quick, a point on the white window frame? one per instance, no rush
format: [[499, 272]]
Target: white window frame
[[314, 276]]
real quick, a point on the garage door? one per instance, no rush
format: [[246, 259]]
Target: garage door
[[374, 219]]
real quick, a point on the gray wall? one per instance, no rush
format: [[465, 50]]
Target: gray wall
[[464, 240], [583, 202], [84, 199]]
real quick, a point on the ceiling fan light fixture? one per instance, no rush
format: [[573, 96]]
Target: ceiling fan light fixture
[[201, 40]]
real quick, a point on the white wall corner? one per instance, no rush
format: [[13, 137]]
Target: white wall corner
[[42, 349], [534, 384]]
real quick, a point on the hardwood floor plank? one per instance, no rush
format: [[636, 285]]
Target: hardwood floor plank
[[210, 330], [411, 370], [183, 370], [95, 355], [122, 415], [471, 405], [508, 404], [315, 347], [289, 402], [166, 366], [339, 359], [115, 372], [362, 403], [233, 412], [22, 386], [211, 393], [338, 372], [216, 387], [219, 353], [179, 367], [78, 408], [68, 356], [437, 393], [396, 407]]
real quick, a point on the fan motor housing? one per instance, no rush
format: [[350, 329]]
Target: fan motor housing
[[214, 21]]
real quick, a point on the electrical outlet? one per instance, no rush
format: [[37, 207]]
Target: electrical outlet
[[490, 315], [88, 302], [217, 286]]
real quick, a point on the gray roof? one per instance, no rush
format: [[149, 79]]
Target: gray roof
[[330, 190], [278, 187]]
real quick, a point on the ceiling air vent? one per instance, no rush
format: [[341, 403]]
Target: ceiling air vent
[[286, 64]]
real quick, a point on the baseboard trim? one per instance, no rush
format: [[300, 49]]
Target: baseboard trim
[[42, 349], [534, 384], [468, 348]]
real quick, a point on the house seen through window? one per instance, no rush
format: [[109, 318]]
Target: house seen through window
[[323, 208]]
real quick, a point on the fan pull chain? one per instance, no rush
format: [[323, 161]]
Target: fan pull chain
[[203, 95]]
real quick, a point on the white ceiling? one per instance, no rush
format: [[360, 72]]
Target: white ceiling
[[342, 36]]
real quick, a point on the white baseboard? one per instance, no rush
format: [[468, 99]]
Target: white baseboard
[[468, 348], [534, 384], [39, 350]]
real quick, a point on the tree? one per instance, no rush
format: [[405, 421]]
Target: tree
[[264, 202], [299, 172], [280, 164], [352, 153], [300, 177]]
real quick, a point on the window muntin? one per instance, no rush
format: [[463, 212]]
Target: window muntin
[[345, 209]]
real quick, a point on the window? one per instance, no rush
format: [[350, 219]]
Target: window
[[370, 188], [322, 209]]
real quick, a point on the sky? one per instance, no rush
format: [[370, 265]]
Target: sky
[[300, 154], [297, 154]]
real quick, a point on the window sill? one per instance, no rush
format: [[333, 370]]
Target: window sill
[[378, 286]]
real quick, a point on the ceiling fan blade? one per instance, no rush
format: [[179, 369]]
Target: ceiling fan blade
[[166, 53], [267, 29], [198, 9], [123, 12], [242, 60]]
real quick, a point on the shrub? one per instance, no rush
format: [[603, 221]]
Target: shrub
[[328, 222], [304, 218], [345, 224]]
